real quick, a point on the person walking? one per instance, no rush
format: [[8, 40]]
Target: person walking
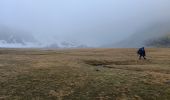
[[141, 52]]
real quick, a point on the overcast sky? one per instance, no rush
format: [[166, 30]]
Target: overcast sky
[[92, 22]]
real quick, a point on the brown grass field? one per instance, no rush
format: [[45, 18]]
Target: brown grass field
[[84, 74]]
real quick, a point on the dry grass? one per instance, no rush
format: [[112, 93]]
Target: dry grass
[[84, 74]]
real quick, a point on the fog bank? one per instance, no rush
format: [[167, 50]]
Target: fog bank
[[78, 23]]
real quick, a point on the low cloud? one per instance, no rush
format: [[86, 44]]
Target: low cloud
[[91, 22]]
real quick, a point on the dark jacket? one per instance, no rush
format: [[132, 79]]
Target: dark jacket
[[141, 52]]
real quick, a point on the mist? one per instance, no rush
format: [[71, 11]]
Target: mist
[[82, 23]]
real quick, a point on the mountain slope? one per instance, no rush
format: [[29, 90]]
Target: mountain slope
[[159, 42], [143, 37], [15, 38], [66, 44], [11, 38]]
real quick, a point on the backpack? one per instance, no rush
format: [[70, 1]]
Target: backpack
[[139, 51]]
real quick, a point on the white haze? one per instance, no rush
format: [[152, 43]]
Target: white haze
[[88, 22]]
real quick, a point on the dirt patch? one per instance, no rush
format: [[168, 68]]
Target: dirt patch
[[109, 62], [98, 62]]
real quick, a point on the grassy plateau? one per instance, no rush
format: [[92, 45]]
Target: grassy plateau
[[84, 74]]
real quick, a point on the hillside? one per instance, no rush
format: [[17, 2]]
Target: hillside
[[12, 38], [159, 42], [142, 37], [9, 35]]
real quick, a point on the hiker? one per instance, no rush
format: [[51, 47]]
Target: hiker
[[141, 53]]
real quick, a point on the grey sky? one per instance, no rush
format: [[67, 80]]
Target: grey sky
[[92, 22]]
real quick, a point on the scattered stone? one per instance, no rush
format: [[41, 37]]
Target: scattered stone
[[53, 93], [97, 70], [167, 82], [3, 97], [137, 97]]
